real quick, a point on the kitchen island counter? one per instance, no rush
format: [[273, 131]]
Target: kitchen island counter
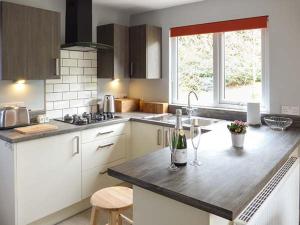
[[228, 179]]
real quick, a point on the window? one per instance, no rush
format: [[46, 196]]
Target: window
[[225, 69]]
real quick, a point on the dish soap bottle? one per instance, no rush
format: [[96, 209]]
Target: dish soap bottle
[[181, 146]]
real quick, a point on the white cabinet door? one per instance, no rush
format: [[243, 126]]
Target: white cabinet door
[[48, 176], [145, 138]]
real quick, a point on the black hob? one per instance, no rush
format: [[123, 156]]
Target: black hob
[[87, 118]]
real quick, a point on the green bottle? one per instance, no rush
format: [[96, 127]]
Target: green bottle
[[181, 146]]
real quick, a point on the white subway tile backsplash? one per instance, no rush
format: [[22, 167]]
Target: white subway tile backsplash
[[76, 71], [77, 103], [94, 79], [84, 79], [69, 62], [90, 71], [49, 106], [94, 63], [90, 55], [94, 94], [90, 87], [53, 114], [51, 97], [84, 109], [76, 91], [76, 87], [49, 88], [85, 63], [70, 79], [61, 105], [61, 87], [64, 54], [64, 70], [76, 55], [70, 111], [84, 94], [54, 81], [69, 95]]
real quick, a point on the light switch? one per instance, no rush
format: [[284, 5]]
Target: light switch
[[290, 110]]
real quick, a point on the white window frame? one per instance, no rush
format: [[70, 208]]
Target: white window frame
[[218, 79]]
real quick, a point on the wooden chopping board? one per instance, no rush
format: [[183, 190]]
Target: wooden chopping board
[[36, 129], [127, 104]]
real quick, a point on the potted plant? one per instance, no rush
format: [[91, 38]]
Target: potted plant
[[238, 130]]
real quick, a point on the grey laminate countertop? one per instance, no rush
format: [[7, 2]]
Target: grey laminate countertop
[[12, 136], [227, 180]]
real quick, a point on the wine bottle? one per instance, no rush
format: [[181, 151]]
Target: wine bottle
[[181, 145]]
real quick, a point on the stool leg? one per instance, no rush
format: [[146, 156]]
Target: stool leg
[[94, 216], [113, 218]]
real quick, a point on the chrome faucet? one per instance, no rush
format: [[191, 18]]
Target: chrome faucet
[[189, 109]]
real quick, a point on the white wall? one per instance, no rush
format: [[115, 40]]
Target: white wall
[[284, 41], [33, 92]]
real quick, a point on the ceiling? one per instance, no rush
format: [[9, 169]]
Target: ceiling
[[138, 6]]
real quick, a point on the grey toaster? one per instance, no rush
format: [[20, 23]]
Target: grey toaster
[[11, 117]]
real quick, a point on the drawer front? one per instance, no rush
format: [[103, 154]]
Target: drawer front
[[96, 179], [103, 152], [104, 132]]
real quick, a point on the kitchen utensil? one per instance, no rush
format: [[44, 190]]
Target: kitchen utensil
[[11, 117], [278, 122]]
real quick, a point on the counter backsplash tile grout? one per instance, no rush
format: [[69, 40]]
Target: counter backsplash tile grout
[[76, 91]]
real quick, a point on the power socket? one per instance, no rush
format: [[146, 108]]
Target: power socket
[[290, 110]]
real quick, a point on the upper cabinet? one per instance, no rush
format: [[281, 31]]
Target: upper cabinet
[[30, 43], [145, 52], [114, 63]]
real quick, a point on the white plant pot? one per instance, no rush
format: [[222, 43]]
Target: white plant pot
[[237, 140]]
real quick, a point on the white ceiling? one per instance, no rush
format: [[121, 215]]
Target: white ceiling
[[138, 6]]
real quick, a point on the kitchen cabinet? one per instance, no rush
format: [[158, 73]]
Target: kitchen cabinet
[[145, 52], [48, 176], [145, 138], [113, 63], [30, 40], [102, 148]]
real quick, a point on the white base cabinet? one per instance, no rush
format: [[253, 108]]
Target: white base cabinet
[[145, 138], [48, 176]]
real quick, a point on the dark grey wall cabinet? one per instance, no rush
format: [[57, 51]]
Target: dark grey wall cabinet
[[30, 42], [145, 52], [113, 63]]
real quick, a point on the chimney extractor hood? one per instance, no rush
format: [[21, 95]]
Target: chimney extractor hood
[[79, 27]]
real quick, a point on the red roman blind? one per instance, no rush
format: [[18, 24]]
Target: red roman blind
[[224, 26]]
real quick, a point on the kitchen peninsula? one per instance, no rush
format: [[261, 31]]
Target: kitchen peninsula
[[220, 191]]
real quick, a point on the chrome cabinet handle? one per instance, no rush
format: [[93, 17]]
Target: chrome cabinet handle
[[103, 133], [103, 172], [104, 146], [131, 69], [158, 137], [77, 145]]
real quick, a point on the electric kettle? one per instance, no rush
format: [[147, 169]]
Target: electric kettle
[[109, 104]]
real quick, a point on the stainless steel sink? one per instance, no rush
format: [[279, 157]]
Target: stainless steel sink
[[171, 119], [199, 121]]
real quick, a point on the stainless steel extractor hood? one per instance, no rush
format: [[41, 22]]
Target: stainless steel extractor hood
[[79, 27]]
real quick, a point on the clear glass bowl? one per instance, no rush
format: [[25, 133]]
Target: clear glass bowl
[[278, 122]]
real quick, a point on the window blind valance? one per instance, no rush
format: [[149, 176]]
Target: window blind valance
[[223, 26]]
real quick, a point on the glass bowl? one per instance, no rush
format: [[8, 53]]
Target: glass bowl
[[278, 122]]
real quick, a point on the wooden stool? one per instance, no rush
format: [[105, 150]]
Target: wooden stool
[[114, 200]]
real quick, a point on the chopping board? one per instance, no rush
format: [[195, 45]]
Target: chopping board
[[155, 107], [36, 129], [127, 104]]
